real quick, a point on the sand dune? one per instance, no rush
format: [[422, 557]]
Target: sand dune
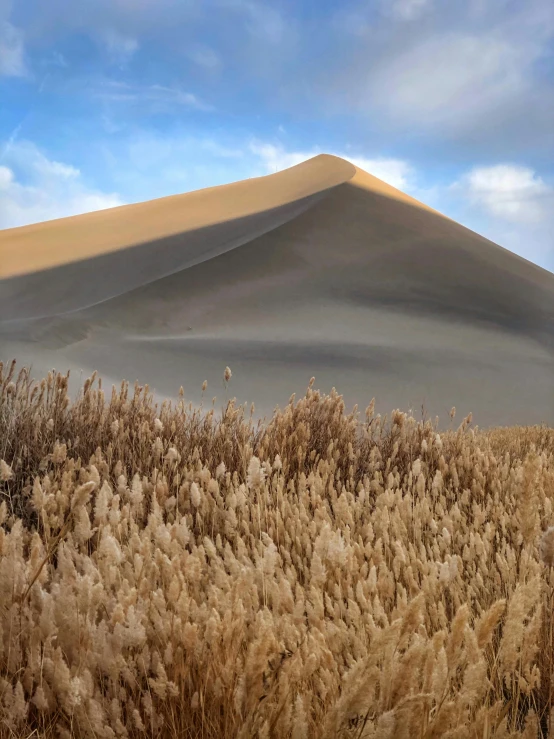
[[320, 269]]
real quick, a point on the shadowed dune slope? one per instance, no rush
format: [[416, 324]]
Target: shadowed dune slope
[[321, 269]]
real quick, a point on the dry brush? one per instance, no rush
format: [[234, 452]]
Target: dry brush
[[170, 572]]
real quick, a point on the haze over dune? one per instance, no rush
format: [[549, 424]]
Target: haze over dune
[[319, 270]]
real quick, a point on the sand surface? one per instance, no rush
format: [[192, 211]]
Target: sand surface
[[319, 270]]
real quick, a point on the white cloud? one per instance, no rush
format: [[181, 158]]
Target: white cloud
[[475, 72], [47, 168], [147, 164], [35, 188], [6, 178], [395, 172], [110, 125], [509, 192], [261, 19], [12, 58], [120, 47], [215, 148], [440, 81], [204, 56], [55, 59], [407, 10], [157, 96], [276, 158], [172, 94]]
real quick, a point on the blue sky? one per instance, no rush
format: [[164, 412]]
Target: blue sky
[[104, 102]]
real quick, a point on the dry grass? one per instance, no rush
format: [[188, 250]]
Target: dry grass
[[167, 573]]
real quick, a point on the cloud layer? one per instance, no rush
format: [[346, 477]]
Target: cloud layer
[[12, 60], [34, 188], [510, 192]]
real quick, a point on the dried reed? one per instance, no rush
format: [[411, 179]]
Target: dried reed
[[167, 572]]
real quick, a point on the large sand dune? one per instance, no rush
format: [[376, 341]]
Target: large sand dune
[[318, 270]]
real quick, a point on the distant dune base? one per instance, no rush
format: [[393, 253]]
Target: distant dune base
[[318, 270]]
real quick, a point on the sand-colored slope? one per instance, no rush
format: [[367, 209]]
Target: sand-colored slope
[[44, 245], [351, 281]]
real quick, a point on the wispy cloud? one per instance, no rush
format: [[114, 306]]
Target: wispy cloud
[[407, 10], [471, 73], [172, 94], [120, 48], [54, 59], [510, 192], [438, 82], [11, 141], [35, 188], [162, 95], [6, 178], [204, 56], [12, 54], [145, 165], [262, 20], [275, 158]]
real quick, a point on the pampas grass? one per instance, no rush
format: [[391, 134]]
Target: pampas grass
[[169, 573]]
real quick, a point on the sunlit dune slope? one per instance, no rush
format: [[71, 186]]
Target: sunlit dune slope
[[44, 245]]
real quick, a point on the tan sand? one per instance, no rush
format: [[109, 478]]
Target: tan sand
[[321, 269], [43, 245]]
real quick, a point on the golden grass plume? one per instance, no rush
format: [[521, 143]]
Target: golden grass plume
[[170, 572]]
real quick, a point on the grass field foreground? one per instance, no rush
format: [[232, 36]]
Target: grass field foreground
[[173, 572]]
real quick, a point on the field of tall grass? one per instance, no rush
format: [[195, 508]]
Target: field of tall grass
[[173, 572]]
